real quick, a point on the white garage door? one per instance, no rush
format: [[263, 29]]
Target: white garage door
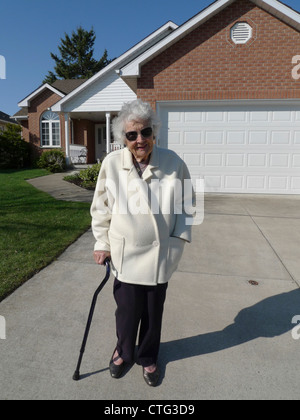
[[244, 148]]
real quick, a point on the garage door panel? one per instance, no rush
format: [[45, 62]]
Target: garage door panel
[[296, 161], [237, 116], [213, 159], [192, 137], [236, 137], [297, 137], [295, 182], [192, 159], [214, 137], [237, 148], [282, 116], [213, 183], [257, 160], [279, 160], [235, 160], [258, 137], [256, 182], [259, 116], [193, 117], [281, 137]]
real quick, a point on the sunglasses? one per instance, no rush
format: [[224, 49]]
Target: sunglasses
[[133, 135]]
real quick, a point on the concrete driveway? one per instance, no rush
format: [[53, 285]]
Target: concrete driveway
[[227, 332]]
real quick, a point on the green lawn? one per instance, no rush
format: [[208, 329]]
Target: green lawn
[[34, 227]]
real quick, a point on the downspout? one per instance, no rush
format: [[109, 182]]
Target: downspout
[[108, 137], [67, 138]]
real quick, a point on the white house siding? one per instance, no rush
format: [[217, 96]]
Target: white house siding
[[236, 148], [107, 94]]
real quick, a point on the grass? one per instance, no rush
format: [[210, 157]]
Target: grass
[[34, 228]]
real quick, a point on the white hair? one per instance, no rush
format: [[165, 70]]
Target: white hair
[[131, 111]]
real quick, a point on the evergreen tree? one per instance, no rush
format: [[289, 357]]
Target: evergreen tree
[[76, 59]]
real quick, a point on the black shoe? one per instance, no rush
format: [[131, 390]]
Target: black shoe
[[116, 370], [151, 378]]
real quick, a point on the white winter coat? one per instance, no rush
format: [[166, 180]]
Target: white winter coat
[[135, 219]]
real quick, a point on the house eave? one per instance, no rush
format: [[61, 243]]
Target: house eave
[[24, 117], [115, 65], [281, 11], [26, 101]]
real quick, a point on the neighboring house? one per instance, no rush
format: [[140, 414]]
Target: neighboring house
[[4, 120], [85, 123], [41, 127], [224, 86]]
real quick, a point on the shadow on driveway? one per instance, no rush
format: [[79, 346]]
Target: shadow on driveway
[[269, 318]]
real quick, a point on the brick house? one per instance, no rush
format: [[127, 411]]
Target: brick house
[[42, 128], [4, 120], [226, 85], [75, 115]]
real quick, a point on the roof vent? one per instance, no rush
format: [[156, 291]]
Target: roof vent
[[241, 32]]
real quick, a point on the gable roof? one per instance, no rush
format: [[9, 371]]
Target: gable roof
[[6, 118], [60, 87], [274, 7], [115, 65], [22, 114], [26, 101], [68, 85]]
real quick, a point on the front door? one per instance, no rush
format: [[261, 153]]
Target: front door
[[100, 141]]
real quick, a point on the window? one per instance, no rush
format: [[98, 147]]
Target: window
[[50, 130], [241, 32]]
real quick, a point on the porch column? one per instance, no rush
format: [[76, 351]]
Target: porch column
[[67, 137], [108, 138]]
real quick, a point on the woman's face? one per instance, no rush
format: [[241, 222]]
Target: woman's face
[[142, 147]]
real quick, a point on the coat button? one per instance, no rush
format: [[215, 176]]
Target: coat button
[[155, 243]]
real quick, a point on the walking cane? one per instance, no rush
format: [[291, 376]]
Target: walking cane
[[76, 375]]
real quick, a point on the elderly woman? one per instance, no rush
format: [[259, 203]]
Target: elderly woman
[[139, 221]]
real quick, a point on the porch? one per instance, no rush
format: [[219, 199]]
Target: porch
[[88, 136], [79, 153]]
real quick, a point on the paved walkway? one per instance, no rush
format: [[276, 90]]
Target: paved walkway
[[60, 189], [227, 331]]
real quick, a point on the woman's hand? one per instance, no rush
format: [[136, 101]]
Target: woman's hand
[[100, 256]]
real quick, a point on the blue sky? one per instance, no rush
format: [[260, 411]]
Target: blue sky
[[31, 29]]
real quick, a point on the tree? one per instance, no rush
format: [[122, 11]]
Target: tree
[[14, 152], [76, 61]]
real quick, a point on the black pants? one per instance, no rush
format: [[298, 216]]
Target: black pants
[[139, 305]]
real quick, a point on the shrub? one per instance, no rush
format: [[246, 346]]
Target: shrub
[[14, 152], [86, 178], [89, 176], [53, 161]]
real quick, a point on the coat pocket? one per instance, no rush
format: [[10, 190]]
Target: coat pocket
[[176, 247], [116, 250]]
